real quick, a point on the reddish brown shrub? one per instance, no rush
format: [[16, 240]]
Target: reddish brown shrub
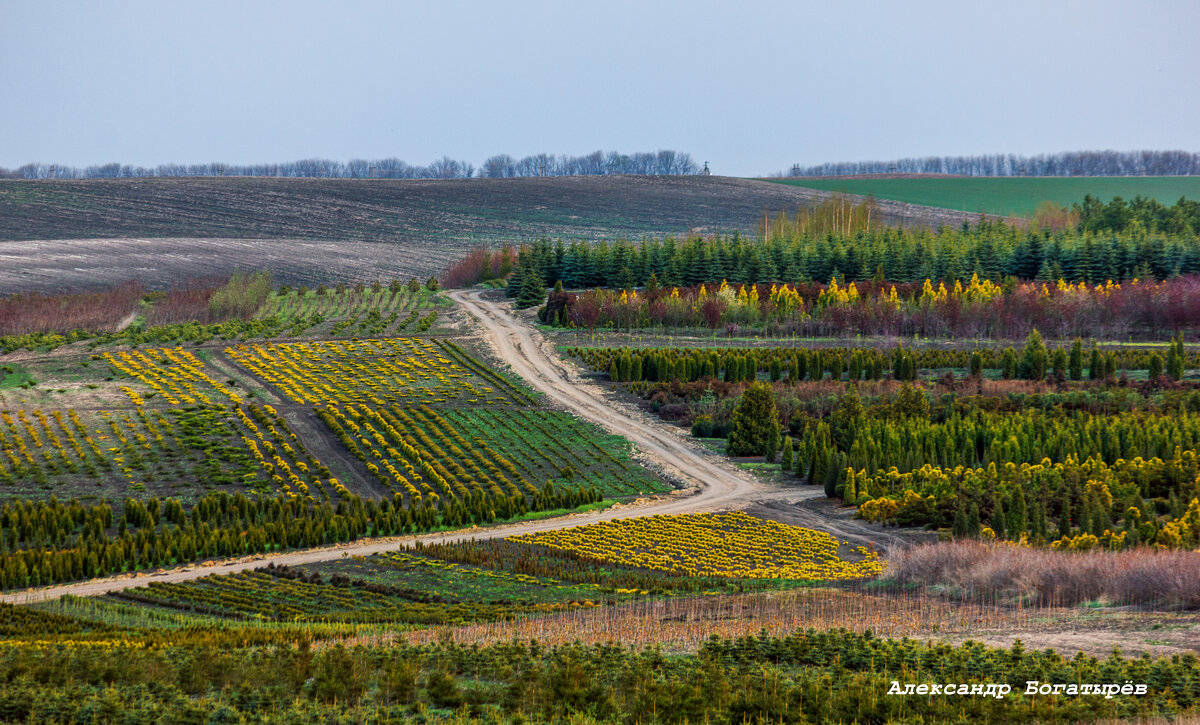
[[92, 311], [1006, 573]]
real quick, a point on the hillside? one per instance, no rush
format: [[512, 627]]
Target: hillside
[[159, 230], [1005, 196]]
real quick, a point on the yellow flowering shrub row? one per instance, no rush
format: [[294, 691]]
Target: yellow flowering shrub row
[[726, 544], [175, 373], [369, 372]]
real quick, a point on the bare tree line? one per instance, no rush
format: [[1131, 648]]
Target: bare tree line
[[597, 163], [665, 162], [1067, 163]]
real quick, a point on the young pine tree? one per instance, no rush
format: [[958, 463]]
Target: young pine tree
[[999, 522], [532, 291], [1177, 359], [974, 524], [960, 520], [1017, 513], [772, 444], [976, 364], [1059, 364], [776, 370], [1075, 360], [785, 463], [755, 420], [1064, 516], [1008, 368], [1033, 357], [1156, 366]]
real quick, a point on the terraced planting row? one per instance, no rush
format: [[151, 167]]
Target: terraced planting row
[[174, 373], [261, 595], [373, 372], [543, 443], [439, 584], [729, 544], [355, 312], [421, 457], [181, 451]]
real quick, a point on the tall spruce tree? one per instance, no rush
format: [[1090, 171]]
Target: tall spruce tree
[[1075, 360], [1033, 358], [533, 289], [755, 422]]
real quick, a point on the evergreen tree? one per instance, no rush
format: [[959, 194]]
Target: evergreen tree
[[785, 463], [847, 418], [776, 370], [1175, 360], [835, 366], [976, 364], [854, 369], [755, 423], [998, 520], [1059, 364], [1038, 527], [652, 284], [959, 528], [1017, 513], [772, 443], [1008, 364], [1033, 358], [1095, 365], [625, 366], [974, 524], [1075, 360], [1064, 516], [532, 291], [1156, 366]]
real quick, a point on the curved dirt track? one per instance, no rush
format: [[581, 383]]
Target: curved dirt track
[[713, 484]]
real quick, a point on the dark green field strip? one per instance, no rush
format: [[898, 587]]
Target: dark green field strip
[[1007, 196]]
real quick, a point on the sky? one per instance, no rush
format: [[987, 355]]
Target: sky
[[750, 87]]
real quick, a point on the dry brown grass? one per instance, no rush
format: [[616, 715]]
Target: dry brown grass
[[1006, 574]]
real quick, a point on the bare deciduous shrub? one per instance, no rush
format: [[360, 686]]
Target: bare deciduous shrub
[[1006, 573], [102, 311]]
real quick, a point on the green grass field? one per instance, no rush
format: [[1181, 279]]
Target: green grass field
[[1008, 196]]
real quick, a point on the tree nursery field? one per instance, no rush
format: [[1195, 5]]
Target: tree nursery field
[[963, 461]]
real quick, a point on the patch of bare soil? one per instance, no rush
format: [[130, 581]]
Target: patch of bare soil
[[329, 230]]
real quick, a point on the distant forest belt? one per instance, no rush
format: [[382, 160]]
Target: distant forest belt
[[1006, 196]]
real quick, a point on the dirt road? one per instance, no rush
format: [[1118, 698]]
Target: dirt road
[[710, 483]]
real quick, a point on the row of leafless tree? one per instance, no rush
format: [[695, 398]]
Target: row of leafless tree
[[1067, 163], [1001, 572], [501, 166], [102, 311], [597, 163]]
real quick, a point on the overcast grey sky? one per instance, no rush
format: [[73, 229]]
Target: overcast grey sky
[[751, 87]]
